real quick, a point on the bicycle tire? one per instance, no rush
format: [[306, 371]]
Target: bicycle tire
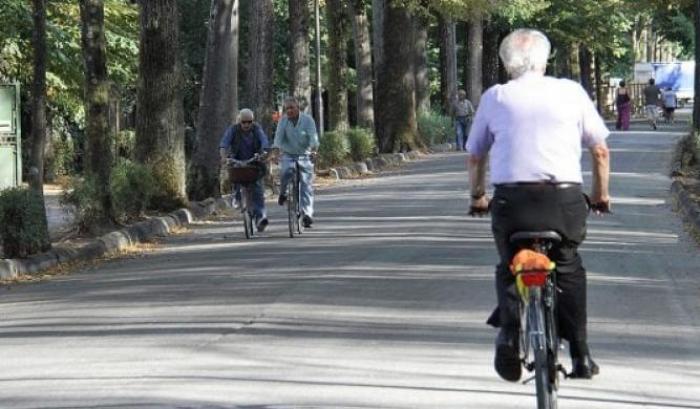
[[297, 200], [546, 394], [292, 209], [247, 224]]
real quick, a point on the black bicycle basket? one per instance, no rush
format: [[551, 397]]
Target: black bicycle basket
[[245, 174]]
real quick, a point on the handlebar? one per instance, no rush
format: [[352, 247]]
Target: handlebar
[[239, 163]]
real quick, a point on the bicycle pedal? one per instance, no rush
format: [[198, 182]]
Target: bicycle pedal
[[528, 380], [560, 368]]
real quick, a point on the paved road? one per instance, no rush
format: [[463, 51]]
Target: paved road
[[381, 306]]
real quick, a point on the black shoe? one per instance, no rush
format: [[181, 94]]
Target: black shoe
[[507, 361], [654, 125], [262, 223], [584, 368], [307, 221], [282, 200]]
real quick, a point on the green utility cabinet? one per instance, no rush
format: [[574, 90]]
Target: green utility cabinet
[[10, 141]]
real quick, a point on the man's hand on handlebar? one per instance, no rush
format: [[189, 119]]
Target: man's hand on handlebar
[[479, 206], [601, 207], [598, 205]]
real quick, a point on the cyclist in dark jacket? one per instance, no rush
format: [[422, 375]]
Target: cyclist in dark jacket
[[242, 141]]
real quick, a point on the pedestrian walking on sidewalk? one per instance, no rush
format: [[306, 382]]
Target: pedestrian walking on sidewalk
[[652, 96], [623, 103]]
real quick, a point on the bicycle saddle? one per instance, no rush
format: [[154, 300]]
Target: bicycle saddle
[[548, 235]]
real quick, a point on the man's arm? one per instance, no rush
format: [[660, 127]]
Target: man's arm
[[477, 181], [262, 138], [225, 143], [600, 156]]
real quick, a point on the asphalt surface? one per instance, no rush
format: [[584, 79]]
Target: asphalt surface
[[382, 305]]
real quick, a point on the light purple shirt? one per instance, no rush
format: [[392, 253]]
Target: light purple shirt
[[535, 127]]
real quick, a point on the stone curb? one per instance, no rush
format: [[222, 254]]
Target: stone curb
[[382, 161], [112, 242], [687, 207], [115, 241]]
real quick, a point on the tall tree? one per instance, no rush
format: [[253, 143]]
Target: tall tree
[[160, 137], [378, 7], [448, 62], [474, 66], [36, 181], [420, 44], [585, 59], [299, 70], [363, 64], [218, 101], [97, 95], [396, 109], [490, 63], [338, 35], [259, 77], [696, 107]]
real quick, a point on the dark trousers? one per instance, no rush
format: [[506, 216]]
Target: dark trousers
[[537, 208]]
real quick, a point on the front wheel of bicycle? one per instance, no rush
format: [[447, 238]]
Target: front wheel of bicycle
[[291, 212], [248, 224]]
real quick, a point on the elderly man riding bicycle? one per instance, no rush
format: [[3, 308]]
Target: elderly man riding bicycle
[[297, 139], [243, 141], [534, 128]]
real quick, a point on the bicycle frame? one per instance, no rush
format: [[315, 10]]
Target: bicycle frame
[[246, 195], [294, 212], [537, 289]]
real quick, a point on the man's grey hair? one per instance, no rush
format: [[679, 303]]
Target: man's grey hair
[[246, 113], [291, 100], [524, 50]]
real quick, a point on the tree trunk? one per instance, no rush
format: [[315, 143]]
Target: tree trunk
[[260, 74], [490, 61], [160, 134], [378, 7], [598, 83], [396, 111], [218, 101], [363, 65], [38, 135], [584, 59], [300, 72], [420, 44], [696, 107], [650, 42], [474, 61], [97, 94], [448, 62], [338, 32]]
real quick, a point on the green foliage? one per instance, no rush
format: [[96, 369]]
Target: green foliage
[[124, 143], [334, 148], [362, 144], [166, 176], [22, 223], [64, 57], [132, 187], [81, 199], [435, 128], [61, 161]]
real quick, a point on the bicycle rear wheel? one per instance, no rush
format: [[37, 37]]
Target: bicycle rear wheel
[[546, 392]]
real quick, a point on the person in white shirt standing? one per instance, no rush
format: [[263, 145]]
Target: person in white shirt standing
[[463, 112], [534, 128], [670, 101]]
